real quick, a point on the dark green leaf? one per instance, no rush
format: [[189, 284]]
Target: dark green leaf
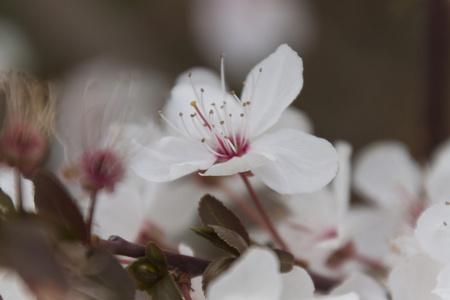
[[6, 205], [51, 196], [213, 212], [215, 268], [286, 260], [165, 289], [25, 247], [230, 237], [214, 239], [144, 273], [156, 257]]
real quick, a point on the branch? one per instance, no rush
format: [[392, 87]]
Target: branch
[[191, 265]]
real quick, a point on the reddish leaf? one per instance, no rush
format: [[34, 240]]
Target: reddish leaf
[[51, 196]]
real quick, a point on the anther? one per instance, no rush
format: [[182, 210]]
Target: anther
[[233, 92], [189, 74], [202, 90], [260, 69], [180, 114], [194, 103], [243, 83], [192, 115], [159, 112], [222, 122]]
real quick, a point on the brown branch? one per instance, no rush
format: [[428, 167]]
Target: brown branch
[[191, 265]]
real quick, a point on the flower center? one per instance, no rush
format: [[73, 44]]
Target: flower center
[[101, 169]]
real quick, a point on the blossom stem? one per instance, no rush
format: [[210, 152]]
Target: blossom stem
[[18, 185], [264, 214], [90, 219]]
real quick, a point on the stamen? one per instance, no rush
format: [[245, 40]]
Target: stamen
[[194, 104], [193, 86], [171, 125], [211, 150], [230, 144], [184, 125]]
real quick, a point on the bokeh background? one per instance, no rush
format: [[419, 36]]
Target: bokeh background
[[375, 69]]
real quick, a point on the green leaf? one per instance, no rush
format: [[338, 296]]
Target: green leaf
[[6, 205], [215, 268], [213, 212], [51, 196], [230, 237], [214, 239], [152, 275], [286, 260]]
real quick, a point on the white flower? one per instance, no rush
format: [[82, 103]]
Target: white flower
[[221, 134]]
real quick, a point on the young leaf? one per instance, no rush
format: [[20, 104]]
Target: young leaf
[[215, 268], [286, 260], [214, 239], [6, 205], [213, 212], [152, 275], [51, 196], [230, 237]]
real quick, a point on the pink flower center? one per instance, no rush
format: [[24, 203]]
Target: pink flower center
[[101, 169]]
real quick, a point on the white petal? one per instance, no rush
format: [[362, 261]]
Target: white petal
[[13, 287], [254, 276], [293, 118], [349, 296], [199, 78], [238, 164], [297, 284], [386, 173], [280, 83], [171, 158], [303, 163], [433, 232], [366, 287], [443, 287], [341, 183], [439, 175], [414, 279]]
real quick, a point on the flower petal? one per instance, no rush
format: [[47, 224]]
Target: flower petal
[[238, 164], [297, 284], [303, 163], [433, 232], [443, 287], [273, 90], [254, 276], [171, 158], [366, 287]]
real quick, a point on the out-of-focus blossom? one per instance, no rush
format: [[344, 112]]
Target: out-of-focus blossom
[[28, 120], [248, 30], [366, 287], [222, 134], [98, 105], [256, 276]]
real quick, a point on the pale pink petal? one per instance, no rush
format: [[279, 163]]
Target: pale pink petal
[[171, 158], [303, 163], [272, 90], [349, 296], [341, 183], [366, 287], [433, 232], [297, 284], [238, 164], [386, 173], [443, 287], [254, 276], [414, 279]]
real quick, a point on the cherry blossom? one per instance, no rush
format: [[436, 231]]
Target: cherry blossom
[[221, 135]]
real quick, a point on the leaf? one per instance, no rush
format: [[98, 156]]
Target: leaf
[[51, 196], [152, 275], [215, 268], [213, 212], [97, 275], [286, 260], [214, 239], [25, 246], [230, 237], [6, 205]]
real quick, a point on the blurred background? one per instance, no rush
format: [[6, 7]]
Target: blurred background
[[373, 69]]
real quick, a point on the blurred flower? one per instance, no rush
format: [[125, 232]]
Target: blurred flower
[[12, 287], [222, 134], [29, 119], [248, 30], [15, 48]]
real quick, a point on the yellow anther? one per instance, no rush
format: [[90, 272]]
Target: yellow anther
[[194, 103], [181, 114], [202, 90], [244, 83], [192, 115], [242, 115], [260, 69], [203, 140], [222, 122], [159, 112], [233, 92]]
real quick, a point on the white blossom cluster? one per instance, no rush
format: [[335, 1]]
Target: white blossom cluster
[[393, 244]]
